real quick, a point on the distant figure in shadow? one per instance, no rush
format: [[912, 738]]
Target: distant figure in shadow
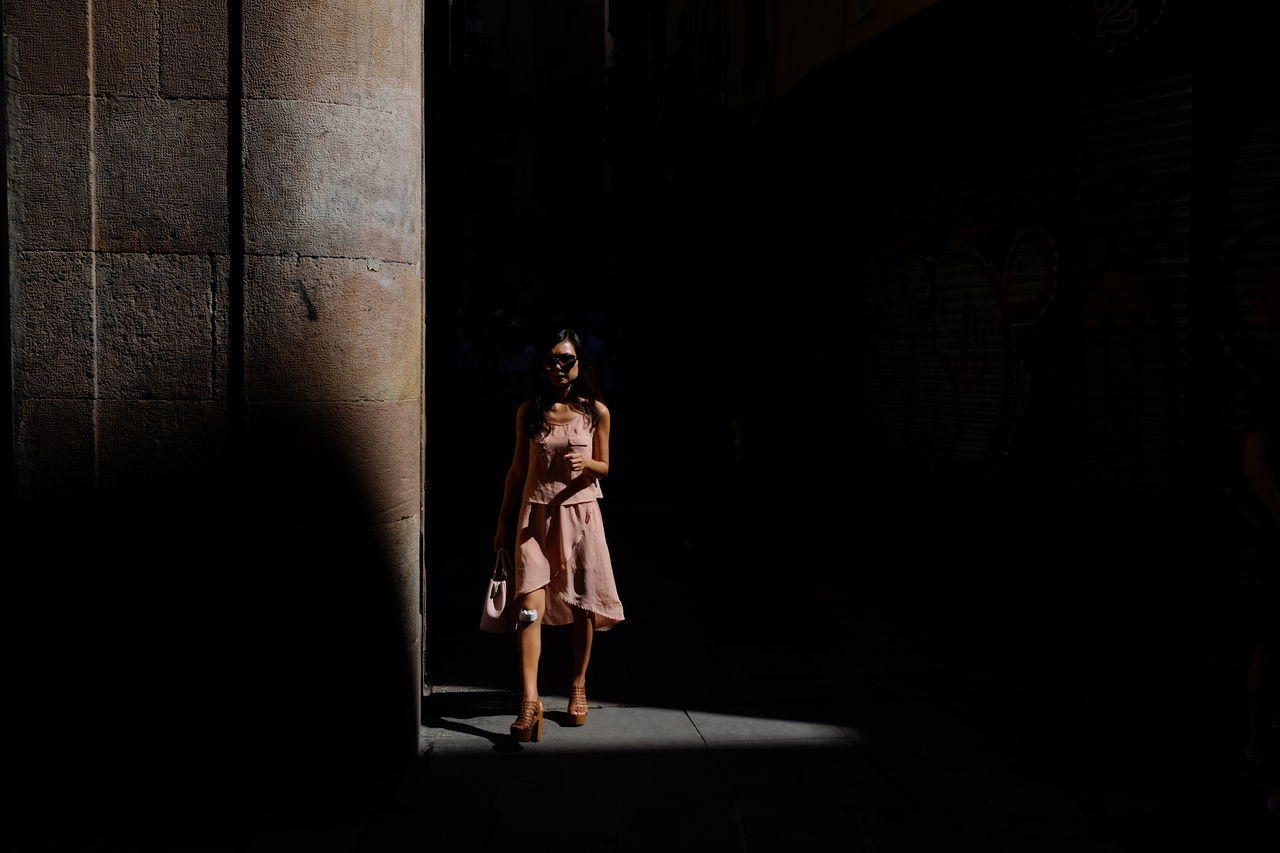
[[1260, 461], [563, 573]]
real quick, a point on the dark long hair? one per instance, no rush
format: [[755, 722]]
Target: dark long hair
[[583, 392]]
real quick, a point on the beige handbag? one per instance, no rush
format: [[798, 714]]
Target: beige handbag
[[499, 613]]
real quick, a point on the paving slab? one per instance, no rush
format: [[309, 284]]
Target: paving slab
[[456, 830], [678, 821], [761, 723], [1037, 845], [574, 812], [798, 822], [857, 734]]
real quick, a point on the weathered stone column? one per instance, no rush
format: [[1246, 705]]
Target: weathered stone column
[[333, 240], [216, 231]]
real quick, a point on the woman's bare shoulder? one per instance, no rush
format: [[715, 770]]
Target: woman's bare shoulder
[[601, 409]]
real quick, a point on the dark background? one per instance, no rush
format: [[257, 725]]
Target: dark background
[[960, 288]]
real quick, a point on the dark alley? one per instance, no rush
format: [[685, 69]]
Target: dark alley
[[940, 354]]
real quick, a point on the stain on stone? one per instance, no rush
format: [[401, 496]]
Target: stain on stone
[[312, 314]]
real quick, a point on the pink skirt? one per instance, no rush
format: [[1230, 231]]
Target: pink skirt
[[563, 548]]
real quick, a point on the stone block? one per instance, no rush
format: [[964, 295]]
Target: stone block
[[400, 542], [364, 53], [55, 449], [162, 175], [126, 47], [414, 689], [221, 324], [332, 329], [193, 48], [53, 325], [144, 441], [155, 327], [52, 173], [374, 447], [331, 180], [49, 44]]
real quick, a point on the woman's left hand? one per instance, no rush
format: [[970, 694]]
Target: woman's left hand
[[577, 461]]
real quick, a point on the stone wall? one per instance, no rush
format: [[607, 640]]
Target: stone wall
[[217, 295]]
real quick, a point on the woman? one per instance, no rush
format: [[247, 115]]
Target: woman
[[563, 573]]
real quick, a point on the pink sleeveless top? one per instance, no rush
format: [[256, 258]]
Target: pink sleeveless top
[[550, 479]]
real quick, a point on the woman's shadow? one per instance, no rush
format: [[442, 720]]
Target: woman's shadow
[[469, 705]]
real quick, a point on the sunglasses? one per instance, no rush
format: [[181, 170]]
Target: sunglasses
[[563, 361]]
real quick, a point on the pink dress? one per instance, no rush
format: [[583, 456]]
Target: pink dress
[[560, 540]]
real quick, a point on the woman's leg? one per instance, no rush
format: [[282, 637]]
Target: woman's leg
[[531, 642], [584, 626]]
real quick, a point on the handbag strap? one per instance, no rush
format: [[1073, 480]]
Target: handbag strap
[[501, 565]]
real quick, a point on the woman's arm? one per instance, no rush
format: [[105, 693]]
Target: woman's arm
[[598, 464], [514, 483]]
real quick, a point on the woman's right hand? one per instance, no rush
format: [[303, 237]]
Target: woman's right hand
[[501, 540]]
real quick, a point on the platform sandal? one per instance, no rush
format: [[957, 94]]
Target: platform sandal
[[577, 705], [528, 726]]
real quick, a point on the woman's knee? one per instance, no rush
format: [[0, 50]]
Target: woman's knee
[[531, 606]]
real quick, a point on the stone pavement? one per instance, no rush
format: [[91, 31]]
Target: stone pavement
[[640, 777]]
